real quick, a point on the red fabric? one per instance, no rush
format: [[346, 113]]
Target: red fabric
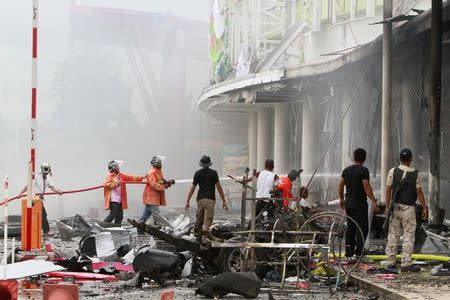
[[285, 186]]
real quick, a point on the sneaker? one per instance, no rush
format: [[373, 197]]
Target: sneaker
[[410, 268]]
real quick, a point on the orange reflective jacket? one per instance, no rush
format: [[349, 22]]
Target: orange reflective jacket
[[154, 192], [110, 184]]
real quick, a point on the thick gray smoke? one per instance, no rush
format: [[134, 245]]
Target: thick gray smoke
[[117, 80]]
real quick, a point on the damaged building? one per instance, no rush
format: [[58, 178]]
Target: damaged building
[[304, 82], [308, 74]]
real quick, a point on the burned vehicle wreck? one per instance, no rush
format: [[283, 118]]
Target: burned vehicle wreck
[[289, 242], [282, 243]]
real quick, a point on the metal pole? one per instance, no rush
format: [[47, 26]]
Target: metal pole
[[5, 234], [244, 198], [243, 214], [35, 16], [435, 108], [386, 143], [253, 208], [243, 205]]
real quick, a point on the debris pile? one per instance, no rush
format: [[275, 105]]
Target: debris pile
[[99, 259]]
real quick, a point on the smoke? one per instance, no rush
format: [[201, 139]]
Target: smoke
[[118, 80]]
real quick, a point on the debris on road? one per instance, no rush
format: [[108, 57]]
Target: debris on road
[[244, 284]]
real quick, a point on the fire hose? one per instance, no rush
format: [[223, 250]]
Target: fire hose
[[69, 192], [90, 189]]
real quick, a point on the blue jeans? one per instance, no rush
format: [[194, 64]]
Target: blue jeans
[[148, 211]]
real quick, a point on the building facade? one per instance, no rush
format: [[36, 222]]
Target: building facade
[[308, 74]]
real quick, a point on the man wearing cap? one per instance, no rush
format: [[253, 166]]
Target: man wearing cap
[[115, 192], [404, 187], [207, 180], [155, 189]]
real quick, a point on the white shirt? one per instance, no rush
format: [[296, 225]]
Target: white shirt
[[390, 178], [39, 183], [265, 183]]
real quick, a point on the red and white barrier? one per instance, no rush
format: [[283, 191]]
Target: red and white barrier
[[34, 84], [35, 16]]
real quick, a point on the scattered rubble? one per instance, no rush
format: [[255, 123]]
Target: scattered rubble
[[138, 261]]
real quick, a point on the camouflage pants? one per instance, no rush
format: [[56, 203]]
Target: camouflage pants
[[403, 222], [205, 214]]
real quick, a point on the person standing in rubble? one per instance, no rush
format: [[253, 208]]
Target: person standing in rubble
[[154, 192], [285, 187], [208, 180], [404, 188], [42, 181], [115, 192], [355, 178]]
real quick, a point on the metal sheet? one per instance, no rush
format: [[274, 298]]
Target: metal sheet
[[120, 236], [181, 225], [28, 268], [104, 244]]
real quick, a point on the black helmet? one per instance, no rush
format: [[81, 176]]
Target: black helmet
[[205, 161], [293, 175], [156, 161], [113, 166]]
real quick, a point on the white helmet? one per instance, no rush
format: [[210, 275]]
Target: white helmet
[[45, 168], [156, 161]]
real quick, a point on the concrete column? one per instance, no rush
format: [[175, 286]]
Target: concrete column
[[310, 146], [310, 135], [347, 156], [435, 110], [264, 137], [386, 102], [252, 139], [281, 138], [410, 119]]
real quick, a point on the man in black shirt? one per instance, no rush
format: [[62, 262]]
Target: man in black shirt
[[355, 178], [208, 181]]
